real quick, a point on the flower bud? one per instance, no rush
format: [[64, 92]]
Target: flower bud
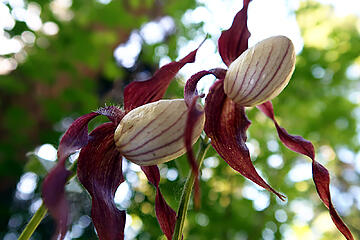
[[154, 133], [261, 72]]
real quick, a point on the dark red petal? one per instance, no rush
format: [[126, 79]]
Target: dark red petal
[[190, 87], [99, 170], [164, 213], [141, 92], [193, 116], [75, 137], [191, 96], [234, 41], [226, 125], [113, 113], [320, 174], [296, 143], [53, 192]]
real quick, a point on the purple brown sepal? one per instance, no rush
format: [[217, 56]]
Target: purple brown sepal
[[165, 214], [234, 41], [99, 171], [139, 93], [320, 173], [226, 125]]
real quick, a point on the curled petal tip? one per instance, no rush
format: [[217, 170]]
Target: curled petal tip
[[261, 72], [153, 133]]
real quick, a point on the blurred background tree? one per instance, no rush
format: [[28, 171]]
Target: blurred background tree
[[60, 59]]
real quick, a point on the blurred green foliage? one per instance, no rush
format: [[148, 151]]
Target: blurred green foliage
[[74, 72]]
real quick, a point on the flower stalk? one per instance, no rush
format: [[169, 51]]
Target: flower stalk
[[36, 219], [33, 223], [188, 187]]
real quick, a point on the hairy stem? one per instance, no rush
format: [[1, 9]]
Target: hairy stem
[[188, 187], [41, 212]]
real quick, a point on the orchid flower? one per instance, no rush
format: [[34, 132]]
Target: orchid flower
[[148, 131], [254, 77]]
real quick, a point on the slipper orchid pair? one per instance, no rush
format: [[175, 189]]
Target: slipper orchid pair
[[150, 131]]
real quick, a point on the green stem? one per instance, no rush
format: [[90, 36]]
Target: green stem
[[41, 212], [185, 197], [33, 223]]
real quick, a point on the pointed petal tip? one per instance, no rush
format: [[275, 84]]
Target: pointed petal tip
[[165, 214], [234, 41], [139, 93]]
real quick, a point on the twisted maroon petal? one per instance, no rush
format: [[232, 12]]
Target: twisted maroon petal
[[99, 171], [226, 125], [165, 214], [234, 41], [191, 96], [296, 143], [193, 116], [320, 173], [141, 92], [53, 192], [190, 87], [75, 137]]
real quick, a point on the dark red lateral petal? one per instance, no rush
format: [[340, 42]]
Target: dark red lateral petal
[[193, 116], [321, 175], [190, 87], [77, 134], [296, 143], [165, 214], [99, 171], [75, 137], [226, 125], [53, 192], [191, 96], [234, 41], [141, 92]]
